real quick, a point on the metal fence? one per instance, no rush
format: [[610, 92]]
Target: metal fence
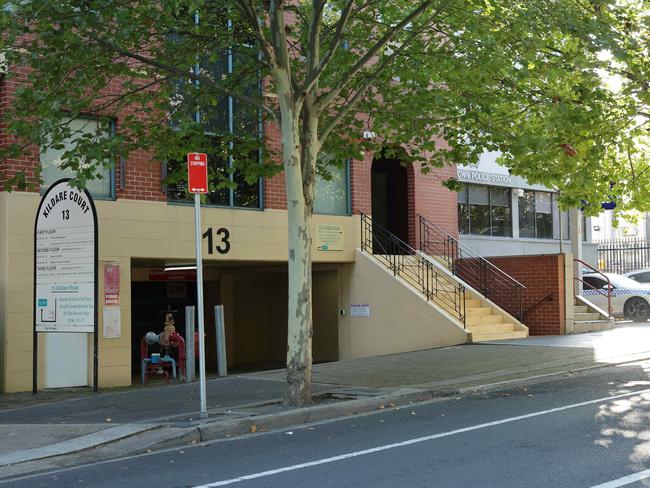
[[623, 255]]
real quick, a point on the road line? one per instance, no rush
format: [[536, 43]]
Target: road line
[[418, 440], [625, 480]]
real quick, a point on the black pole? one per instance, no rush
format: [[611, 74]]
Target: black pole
[[35, 363], [96, 313], [35, 335]]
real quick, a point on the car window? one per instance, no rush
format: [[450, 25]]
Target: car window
[[642, 277], [624, 282], [594, 282]]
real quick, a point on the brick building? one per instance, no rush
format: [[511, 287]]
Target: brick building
[[361, 308]]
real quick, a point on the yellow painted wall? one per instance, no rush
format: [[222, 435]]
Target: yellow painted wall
[[3, 284], [326, 314], [400, 319], [130, 230]]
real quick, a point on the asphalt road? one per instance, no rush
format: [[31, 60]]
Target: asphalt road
[[587, 430]]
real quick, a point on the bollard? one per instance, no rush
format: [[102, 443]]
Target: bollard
[[189, 344], [219, 323]]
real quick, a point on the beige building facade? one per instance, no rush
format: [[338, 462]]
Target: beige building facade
[[144, 238]]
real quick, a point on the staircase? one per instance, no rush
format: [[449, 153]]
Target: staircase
[[589, 318], [482, 319], [488, 323], [495, 309]]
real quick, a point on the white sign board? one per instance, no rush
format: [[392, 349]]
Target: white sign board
[[65, 261], [359, 310], [111, 323]]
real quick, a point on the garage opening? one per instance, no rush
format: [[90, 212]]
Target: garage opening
[[255, 299]]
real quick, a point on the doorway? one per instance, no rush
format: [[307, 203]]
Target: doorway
[[389, 193]]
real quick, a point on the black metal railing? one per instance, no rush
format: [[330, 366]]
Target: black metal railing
[[467, 265], [623, 255], [414, 268]]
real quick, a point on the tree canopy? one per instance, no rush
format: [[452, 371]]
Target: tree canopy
[[524, 78]]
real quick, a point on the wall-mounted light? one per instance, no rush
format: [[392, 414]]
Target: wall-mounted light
[[519, 192], [179, 268]]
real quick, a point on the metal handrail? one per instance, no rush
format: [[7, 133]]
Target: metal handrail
[[472, 268], [414, 268], [547, 298], [609, 283]]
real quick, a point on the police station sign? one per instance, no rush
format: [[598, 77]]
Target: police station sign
[[65, 261]]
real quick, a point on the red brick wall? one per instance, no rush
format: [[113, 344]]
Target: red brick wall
[[540, 275], [427, 196], [28, 161], [143, 174], [274, 194]]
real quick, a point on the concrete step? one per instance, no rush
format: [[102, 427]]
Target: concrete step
[[580, 309], [473, 302], [485, 329], [484, 319], [582, 317], [516, 334], [592, 326], [472, 311]]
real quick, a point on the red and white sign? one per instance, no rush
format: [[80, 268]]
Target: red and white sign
[[180, 275], [111, 284], [197, 172]]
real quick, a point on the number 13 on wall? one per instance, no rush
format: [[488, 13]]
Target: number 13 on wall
[[222, 235]]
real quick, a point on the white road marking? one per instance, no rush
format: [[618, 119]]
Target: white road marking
[[625, 480], [418, 440]]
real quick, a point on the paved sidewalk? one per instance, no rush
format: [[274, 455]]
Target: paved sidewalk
[[38, 430]]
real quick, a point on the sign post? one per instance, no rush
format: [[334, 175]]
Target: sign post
[[65, 285], [197, 183]]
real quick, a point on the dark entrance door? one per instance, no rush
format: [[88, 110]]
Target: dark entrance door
[[389, 200]]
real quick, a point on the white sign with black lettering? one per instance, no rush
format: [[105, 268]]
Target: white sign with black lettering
[[360, 310], [65, 261]]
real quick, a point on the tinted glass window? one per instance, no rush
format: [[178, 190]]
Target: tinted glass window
[[642, 277], [485, 211], [594, 282], [82, 133]]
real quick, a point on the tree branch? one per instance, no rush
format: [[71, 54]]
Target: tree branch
[[248, 10], [352, 103], [316, 71], [109, 46], [327, 98]]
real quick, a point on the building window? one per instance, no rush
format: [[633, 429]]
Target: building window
[[232, 133], [485, 210], [539, 216], [332, 190], [82, 133]]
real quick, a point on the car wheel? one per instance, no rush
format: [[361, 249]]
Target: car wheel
[[636, 309]]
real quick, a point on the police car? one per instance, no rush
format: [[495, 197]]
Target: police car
[[630, 299]]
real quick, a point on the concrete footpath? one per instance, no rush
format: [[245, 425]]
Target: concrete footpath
[[55, 428]]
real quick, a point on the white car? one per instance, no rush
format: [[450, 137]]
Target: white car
[[640, 275], [630, 299]]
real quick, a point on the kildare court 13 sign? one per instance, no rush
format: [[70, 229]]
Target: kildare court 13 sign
[[65, 269]]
